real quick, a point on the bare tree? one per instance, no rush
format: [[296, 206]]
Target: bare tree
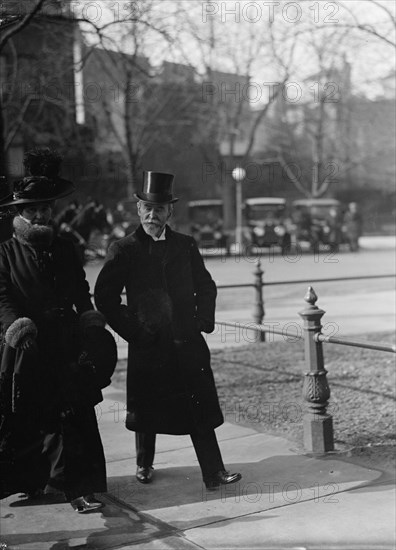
[[18, 23], [383, 29], [313, 142], [235, 64], [10, 26], [37, 99], [144, 107]]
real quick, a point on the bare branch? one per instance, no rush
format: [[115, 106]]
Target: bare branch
[[291, 175], [24, 22], [260, 118], [368, 29]]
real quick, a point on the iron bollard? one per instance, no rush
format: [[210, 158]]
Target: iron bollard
[[317, 423], [259, 304]]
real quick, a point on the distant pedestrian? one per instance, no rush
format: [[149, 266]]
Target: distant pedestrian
[[353, 225], [68, 213], [335, 228], [170, 301]]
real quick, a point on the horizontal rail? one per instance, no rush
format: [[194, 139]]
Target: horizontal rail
[[255, 327], [319, 337], [304, 281], [240, 285], [301, 281]]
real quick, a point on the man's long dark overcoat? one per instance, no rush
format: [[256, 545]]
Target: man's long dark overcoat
[[170, 298]]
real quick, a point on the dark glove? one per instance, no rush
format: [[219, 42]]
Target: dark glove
[[205, 326], [29, 345]]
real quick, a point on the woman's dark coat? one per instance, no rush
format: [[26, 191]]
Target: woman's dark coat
[[170, 299], [38, 390]]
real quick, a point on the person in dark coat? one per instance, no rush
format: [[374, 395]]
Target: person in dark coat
[[49, 437], [170, 300], [68, 213], [353, 225]]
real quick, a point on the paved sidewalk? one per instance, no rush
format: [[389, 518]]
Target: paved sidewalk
[[285, 499], [377, 241]]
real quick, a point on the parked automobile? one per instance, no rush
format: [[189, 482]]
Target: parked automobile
[[319, 222], [266, 223], [206, 218]]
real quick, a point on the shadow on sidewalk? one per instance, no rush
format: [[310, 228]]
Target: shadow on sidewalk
[[285, 479], [61, 528]]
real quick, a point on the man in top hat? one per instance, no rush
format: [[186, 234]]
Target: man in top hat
[[170, 301]]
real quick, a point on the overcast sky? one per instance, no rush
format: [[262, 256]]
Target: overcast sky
[[235, 25]]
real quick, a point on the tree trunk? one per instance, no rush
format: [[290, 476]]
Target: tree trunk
[[229, 203], [132, 178], [3, 153]]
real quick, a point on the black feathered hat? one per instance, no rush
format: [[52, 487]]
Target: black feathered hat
[[42, 182], [157, 188]]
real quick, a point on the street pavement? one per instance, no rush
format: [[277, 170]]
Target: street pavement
[[285, 500]]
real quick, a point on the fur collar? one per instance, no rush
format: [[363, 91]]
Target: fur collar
[[37, 236]]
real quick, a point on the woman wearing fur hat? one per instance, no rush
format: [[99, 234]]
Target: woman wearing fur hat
[[49, 438]]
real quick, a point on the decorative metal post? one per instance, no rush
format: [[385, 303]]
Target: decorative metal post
[[259, 304], [318, 425]]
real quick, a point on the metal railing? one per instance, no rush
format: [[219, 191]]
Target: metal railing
[[319, 337], [317, 422], [355, 343], [259, 284]]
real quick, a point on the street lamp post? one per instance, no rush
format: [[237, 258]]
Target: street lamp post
[[239, 175]]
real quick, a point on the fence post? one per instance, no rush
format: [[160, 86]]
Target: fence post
[[317, 423], [259, 303]]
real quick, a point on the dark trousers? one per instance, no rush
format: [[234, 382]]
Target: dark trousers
[[53, 451], [205, 445]]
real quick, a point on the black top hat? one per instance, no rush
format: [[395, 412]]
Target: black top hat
[[42, 182], [157, 188]]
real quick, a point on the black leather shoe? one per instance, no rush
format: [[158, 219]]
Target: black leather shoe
[[85, 504], [144, 475], [221, 477]]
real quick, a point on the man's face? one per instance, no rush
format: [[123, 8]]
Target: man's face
[[153, 217]]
